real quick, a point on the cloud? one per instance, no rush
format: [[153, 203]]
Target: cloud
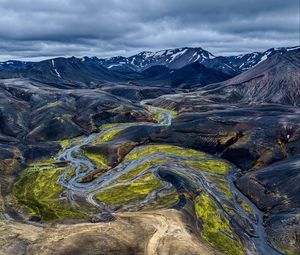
[[41, 29]]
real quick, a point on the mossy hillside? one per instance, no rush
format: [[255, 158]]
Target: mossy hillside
[[70, 173], [164, 149], [112, 125], [158, 117], [222, 185], [37, 189], [285, 250], [107, 136], [172, 112], [168, 200], [134, 172], [99, 160], [110, 135], [210, 165], [246, 207], [122, 194], [216, 228], [67, 143]]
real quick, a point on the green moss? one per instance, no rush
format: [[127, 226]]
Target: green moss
[[216, 228], [228, 209], [43, 163], [285, 250], [141, 167], [158, 116], [172, 112], [99, 160], [67, 143], [165, 149], [246, 207], [112, 125], [222, 185], [210, 165], [37, 189], [70, 173], [110, 135], [125, 193]]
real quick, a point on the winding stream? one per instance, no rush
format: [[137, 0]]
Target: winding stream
[[258, 243]]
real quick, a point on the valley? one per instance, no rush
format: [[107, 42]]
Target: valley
[[186, 161]]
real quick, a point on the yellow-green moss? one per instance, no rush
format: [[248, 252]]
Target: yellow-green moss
[[158, 116], [67, 143], [222, 185], [165, 149], [112, 125], [110, 135], [285, 250], [172, 112], [167, 201], [42, 163], [210, 165], [99, 160], [107, 136], [216, 228], [122, 194], [246, 207], [141, 167], [37, 189], [70, 173]]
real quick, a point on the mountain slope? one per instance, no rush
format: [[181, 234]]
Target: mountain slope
[[189, 76], [275, 80], [246, 61], [65, 71], [171, 58]]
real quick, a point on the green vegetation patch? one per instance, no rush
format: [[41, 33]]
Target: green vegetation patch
[[37, 189], [166, 201], [99, 160], [222, 185], [210, 165], [126, 193], [246, 207], [165, 149], [70, 173], [109, 135], [112, 125], [134, 172], [67, 143], [158, 116], [172, 112], [216, 228]]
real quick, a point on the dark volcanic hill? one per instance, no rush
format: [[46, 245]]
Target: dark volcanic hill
[[276, 80], [193, 75], [64, 71], [247, 61]]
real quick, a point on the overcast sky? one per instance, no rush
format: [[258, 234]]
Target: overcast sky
[[37, 29]]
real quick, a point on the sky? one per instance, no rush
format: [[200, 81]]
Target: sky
[[40, 29]]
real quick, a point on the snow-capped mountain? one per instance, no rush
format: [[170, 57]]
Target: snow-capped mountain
[[14, 64], [171, 58], [246, 61], [175, 67]]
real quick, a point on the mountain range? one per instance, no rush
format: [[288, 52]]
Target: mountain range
[[178, 144], [173, 68]]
